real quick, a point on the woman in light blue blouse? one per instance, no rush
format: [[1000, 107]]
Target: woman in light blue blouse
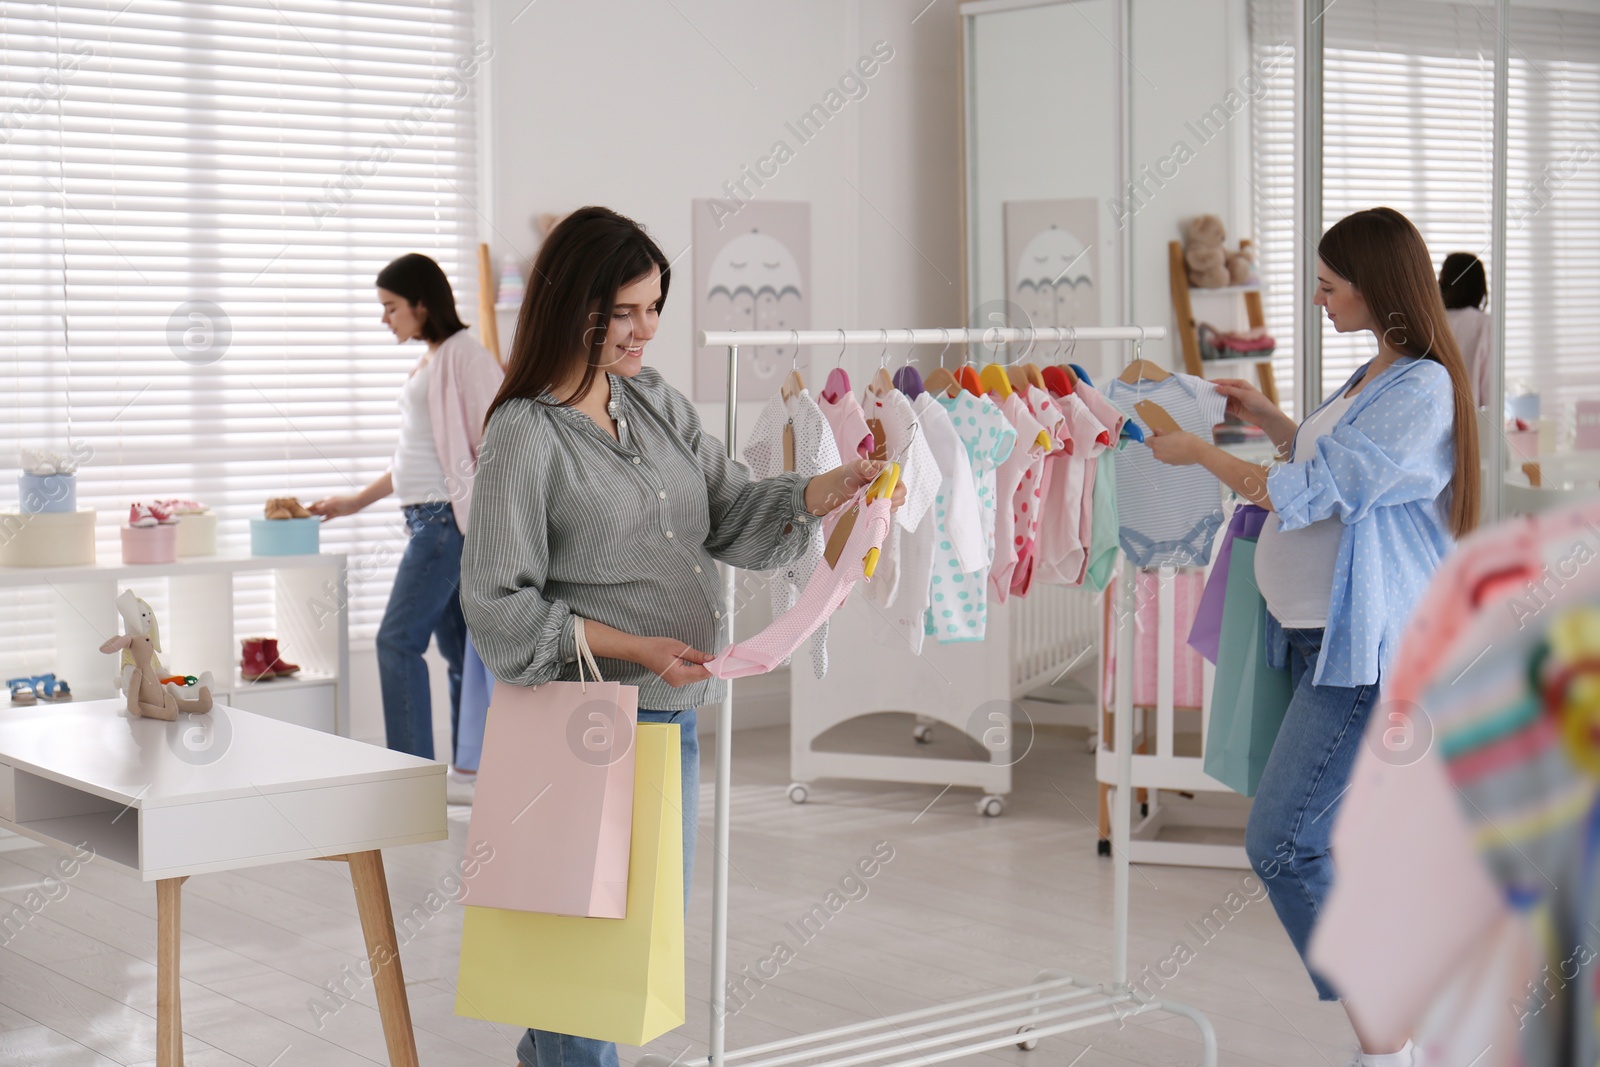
[[1379, 482], [600, 497]]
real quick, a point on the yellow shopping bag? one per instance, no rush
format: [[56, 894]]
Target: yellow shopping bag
[[612, 979]]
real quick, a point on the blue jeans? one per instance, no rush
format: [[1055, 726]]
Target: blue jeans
[[1298, 798], [540, 1048], [425, 602]]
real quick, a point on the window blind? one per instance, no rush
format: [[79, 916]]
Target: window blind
[[197, 197], [1409, 123]]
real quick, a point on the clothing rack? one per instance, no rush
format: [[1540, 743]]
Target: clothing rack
[[1055, 1002]]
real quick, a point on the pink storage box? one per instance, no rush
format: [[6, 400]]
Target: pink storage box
[[150, 544]]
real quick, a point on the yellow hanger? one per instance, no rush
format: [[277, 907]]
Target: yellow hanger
[[994, 380], [882, 486]]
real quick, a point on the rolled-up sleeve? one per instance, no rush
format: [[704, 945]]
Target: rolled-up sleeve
[[1398, 449], [523, 636]]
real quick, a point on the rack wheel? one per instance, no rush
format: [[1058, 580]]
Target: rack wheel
[[1031, 1043], [991, 806], [1103, 847], [798, 793], [922, 733]]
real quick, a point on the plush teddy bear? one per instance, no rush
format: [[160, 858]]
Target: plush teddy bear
[[1242, 264], [1204, 253]]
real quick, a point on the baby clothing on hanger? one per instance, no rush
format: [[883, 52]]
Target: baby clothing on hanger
[[815, 452], [824, 594], [1168, 514], [959, 608], [919, 473], [954, 527], [1028, 504], [1063, 543], [1096, 495], [851, 435], [1024, 462]]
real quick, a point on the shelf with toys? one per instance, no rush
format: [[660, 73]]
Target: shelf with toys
[[198, 633]]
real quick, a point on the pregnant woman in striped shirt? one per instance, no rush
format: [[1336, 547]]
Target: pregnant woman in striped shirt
[[1379, 482], [599, 496]]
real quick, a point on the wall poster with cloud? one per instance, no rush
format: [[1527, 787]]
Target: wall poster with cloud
[[752, 271], [1053, 261]]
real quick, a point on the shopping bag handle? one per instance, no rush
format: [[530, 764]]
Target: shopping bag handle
[[584, 655]]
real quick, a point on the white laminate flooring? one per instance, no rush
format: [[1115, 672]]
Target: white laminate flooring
[[967, 905]]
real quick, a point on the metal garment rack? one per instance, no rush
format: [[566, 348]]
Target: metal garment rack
[[1054, 1002]]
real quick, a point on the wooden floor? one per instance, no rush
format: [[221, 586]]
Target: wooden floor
[[966, 905]]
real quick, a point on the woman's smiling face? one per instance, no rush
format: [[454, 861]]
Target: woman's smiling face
[[633, 323]]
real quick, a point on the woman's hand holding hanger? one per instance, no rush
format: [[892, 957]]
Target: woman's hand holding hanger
[[1249, 404], [828, 491]]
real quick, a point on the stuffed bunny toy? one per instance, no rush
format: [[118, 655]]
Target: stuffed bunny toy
[[141, 674]]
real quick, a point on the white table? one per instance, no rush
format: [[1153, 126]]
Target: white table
[[219, 792]]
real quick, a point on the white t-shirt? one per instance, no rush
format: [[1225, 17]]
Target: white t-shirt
[[417, 473], [1294, 568], [1471, 327]]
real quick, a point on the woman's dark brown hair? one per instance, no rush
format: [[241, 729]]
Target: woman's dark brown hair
[[1380, 253], [419, 281], [587, 258]]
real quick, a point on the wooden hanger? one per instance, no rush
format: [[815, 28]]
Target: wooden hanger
[[1035, 375], [882, 384], [941, 380], [1142, 369], [1018, 379]]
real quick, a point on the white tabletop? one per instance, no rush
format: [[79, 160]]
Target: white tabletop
[[208, 792], [95, 746]]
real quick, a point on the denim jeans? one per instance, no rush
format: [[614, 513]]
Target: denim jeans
[[425, 602], [1298, 798], [540, 1048]]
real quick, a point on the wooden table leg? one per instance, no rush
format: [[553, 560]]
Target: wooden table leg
[[169, 1011], [377, 924]]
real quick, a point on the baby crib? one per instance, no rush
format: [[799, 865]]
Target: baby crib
[[981, 688]]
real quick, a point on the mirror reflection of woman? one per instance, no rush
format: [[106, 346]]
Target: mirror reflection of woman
[[442, 409], [1380, 481]]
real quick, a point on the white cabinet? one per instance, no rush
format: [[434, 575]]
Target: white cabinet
[[310, 621]]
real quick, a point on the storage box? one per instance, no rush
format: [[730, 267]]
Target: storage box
[[47, 538], [47, 492], [150, 544], [285, 537], [197, 534]]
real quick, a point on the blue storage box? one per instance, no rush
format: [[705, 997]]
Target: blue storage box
[[41, 493], [285, 537]]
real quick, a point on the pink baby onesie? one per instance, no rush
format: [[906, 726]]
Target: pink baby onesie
[[1028, 504], [827, 591], [1028, 455], [850, 430], [1062, 544]]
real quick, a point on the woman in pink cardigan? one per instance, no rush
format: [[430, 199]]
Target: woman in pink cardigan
[[442, 410]]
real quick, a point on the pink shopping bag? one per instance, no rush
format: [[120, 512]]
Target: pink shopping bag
[[554, 798]]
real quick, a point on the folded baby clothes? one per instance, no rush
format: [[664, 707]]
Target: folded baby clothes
[[813, 451], [827, 591]]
